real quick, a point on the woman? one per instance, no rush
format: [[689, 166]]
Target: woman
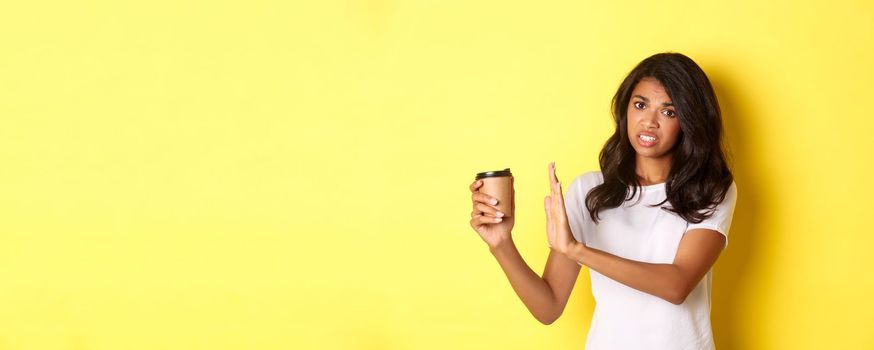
[[649, 225]]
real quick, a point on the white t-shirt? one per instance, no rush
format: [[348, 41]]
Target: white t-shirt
[[626, 318]]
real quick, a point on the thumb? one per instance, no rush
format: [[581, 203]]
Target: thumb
[[547, 204]]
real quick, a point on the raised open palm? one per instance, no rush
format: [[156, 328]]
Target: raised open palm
[[558, 230]]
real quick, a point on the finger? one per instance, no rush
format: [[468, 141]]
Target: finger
[[475, 185], [484, 198], [474, 223], [477, 206], [488, 210], [485, 220], [553, 178], [557, 205]]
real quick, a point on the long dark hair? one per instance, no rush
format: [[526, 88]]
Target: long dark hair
[[699, 177]]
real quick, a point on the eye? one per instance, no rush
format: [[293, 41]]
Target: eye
[[639, 105], [669, 113]]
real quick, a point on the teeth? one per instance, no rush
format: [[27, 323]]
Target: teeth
[[647, 138]]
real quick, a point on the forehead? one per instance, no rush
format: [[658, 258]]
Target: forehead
[[651, 89]]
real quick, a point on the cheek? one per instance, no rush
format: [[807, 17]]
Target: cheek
[[631, 118], [673, 130], [631, 115]]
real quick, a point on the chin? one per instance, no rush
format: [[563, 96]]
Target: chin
[[651, 153]]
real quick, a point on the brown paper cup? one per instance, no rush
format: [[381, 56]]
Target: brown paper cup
[[498, 184]]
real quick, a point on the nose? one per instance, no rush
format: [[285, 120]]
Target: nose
[[650, 120]]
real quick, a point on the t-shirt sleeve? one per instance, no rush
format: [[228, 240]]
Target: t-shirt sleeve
[[575, 205], [720, 221]]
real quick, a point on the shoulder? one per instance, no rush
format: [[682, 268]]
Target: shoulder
[[731, 194], [729, 199], [584, 182]]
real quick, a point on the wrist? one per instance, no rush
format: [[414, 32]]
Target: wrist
[[576, 251], [502, 246]]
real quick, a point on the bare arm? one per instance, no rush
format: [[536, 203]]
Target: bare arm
[[698, 251], [544, 297]]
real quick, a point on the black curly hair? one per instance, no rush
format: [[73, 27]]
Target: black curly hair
[[699, 176]]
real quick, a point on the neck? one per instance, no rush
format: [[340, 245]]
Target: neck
[[651, 171]]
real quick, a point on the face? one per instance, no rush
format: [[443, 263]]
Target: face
[[653, 124]]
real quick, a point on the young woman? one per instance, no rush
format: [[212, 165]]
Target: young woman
[[649, 225]]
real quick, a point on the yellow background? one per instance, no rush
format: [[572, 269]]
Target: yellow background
[[274, 175]]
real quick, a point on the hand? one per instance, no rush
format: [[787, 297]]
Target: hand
[[558, 231], [486, 220]]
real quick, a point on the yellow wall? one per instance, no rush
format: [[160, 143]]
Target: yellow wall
[[266, 175]]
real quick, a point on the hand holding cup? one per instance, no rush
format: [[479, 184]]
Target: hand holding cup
[[493, 214]]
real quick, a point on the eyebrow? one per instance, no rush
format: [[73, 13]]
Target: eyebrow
[[666, 104]]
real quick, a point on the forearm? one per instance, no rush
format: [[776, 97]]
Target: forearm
[[665, 281], [533, 290]]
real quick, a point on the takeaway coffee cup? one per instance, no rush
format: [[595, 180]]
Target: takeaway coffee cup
[[498, 185]]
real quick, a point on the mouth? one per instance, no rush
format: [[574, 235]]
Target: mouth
[[647, 139]]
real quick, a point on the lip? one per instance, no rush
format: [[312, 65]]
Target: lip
[[644, 143]]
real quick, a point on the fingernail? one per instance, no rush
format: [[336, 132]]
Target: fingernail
[[494, 201], [499, 214], [498, 219]]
